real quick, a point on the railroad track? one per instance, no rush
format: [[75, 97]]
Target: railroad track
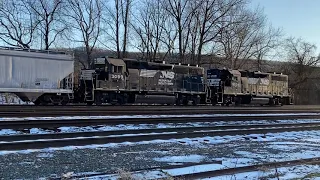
[[210, 174], [55, 123], [237, 170], [20, 142], [29, 111]]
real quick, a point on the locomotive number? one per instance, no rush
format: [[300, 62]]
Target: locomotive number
[[116, 76]]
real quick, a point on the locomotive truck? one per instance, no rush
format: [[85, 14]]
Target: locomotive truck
[[45, 77]]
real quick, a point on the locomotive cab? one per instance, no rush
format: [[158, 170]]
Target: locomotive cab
[[116, 70]]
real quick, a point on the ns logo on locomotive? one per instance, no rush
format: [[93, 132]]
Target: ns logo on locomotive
[[45, 78]]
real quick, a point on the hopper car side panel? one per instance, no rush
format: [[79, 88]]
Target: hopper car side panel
[[33, 75]]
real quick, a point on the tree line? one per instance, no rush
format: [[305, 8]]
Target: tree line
[[184, 29]]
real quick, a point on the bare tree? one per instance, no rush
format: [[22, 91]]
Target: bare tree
[[267, 44], [126, 4], [214, 17], [149, 27], [111, 25], [181, 12], [302, 60], [86, 17], [246, 37], [49, 15], [116, 25], [18, 24]]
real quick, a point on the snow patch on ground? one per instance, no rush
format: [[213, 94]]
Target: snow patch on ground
[[9, 132], [8, 98], [45, 155], [179, 159], [71, 129], [236, 162], [294, 172], [204, 141]]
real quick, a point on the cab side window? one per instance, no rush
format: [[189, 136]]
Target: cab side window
[[117, 69]]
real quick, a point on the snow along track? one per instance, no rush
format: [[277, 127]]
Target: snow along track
[[20, 142], [51, 122]]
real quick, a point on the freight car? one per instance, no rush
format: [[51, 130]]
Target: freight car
[[41, 77], [121, 81], [46, 77]]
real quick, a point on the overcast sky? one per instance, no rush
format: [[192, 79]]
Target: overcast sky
[[298, 18]]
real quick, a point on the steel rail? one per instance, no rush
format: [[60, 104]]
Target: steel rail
[[49, 124], [236, 170], [209, 174], [81, 141], [23, 137], [44, 113]]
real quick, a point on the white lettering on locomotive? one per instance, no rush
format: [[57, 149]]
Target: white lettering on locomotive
[[214, 82], [167, 75], [117, 76], [166, 78]]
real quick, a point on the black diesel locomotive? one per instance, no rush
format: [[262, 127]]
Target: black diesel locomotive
[[122, 81]]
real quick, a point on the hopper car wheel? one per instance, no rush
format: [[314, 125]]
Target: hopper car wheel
[[37, 103], [90, 103], [65, 101]]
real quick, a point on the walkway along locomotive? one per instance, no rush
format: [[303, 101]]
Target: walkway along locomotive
[[44, 77]]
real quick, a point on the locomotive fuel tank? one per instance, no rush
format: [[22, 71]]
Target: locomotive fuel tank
[[260, 100], [155, 99]]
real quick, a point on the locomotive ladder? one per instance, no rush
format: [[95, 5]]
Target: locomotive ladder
[[69, 85], [91, 94], [220, 93]]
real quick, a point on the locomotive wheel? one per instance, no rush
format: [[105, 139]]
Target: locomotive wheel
[[185, 102], [63, 103], [178, 101], [98, 99], [195, 101], [237, 101], [120, 100]]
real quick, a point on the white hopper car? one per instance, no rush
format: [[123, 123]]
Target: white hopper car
[[41, 77]]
